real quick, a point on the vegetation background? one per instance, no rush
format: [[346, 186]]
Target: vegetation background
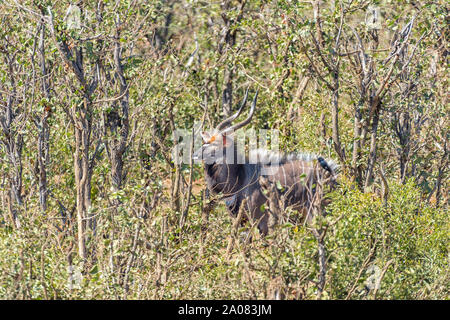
[[93, 207]]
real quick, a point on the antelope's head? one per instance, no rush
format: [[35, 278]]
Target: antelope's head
[[218, 144]]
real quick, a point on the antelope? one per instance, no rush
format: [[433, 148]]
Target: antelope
[[297, 174]]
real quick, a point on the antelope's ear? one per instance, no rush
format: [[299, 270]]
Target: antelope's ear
[[206, 136]]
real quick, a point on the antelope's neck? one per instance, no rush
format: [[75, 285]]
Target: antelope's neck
[[223, 178]]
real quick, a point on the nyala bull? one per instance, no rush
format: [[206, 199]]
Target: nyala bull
[[295, 175]]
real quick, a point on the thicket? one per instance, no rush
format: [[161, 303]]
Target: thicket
[[94, 207]]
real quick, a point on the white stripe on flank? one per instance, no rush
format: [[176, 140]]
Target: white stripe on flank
[[264, 156]]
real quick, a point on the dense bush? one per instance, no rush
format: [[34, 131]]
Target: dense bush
[[405, 238]]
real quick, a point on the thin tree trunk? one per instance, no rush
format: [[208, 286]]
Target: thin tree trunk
[[44, 135], [228, 41], [298, 96], [83, 174], [335, 116], [373, 146], [227, 92], [118, 122], [13, 141]]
